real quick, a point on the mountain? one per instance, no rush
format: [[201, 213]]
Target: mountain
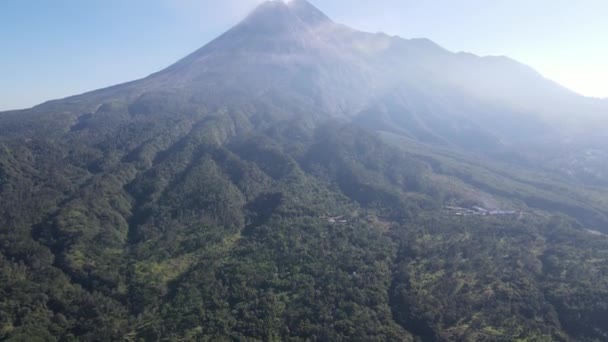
[[296, 179]]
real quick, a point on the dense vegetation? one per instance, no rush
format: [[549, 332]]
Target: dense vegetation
[[234, 197], [195, 232]]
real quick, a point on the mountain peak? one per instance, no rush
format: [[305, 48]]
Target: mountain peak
[[307, 12], [278, 14], [274, 26]]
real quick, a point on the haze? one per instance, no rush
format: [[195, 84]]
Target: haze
[[60, 48]]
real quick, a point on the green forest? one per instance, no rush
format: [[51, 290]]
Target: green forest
[[207, 229]]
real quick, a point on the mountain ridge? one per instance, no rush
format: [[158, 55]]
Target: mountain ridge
[[273, 6], [310, 10]]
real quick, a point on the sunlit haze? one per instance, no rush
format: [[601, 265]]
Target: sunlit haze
[[53, 49]]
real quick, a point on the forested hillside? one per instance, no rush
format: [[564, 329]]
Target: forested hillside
[[273, 187]]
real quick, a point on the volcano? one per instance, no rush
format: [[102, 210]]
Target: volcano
[[296, 179]]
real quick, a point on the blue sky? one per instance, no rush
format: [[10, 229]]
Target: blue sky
[[54, 48]]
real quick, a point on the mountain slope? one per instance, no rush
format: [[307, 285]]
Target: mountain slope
[[291, 180]]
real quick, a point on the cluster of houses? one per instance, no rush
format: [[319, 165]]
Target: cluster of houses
[[479, 211], [337, 219], [595, 232]]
